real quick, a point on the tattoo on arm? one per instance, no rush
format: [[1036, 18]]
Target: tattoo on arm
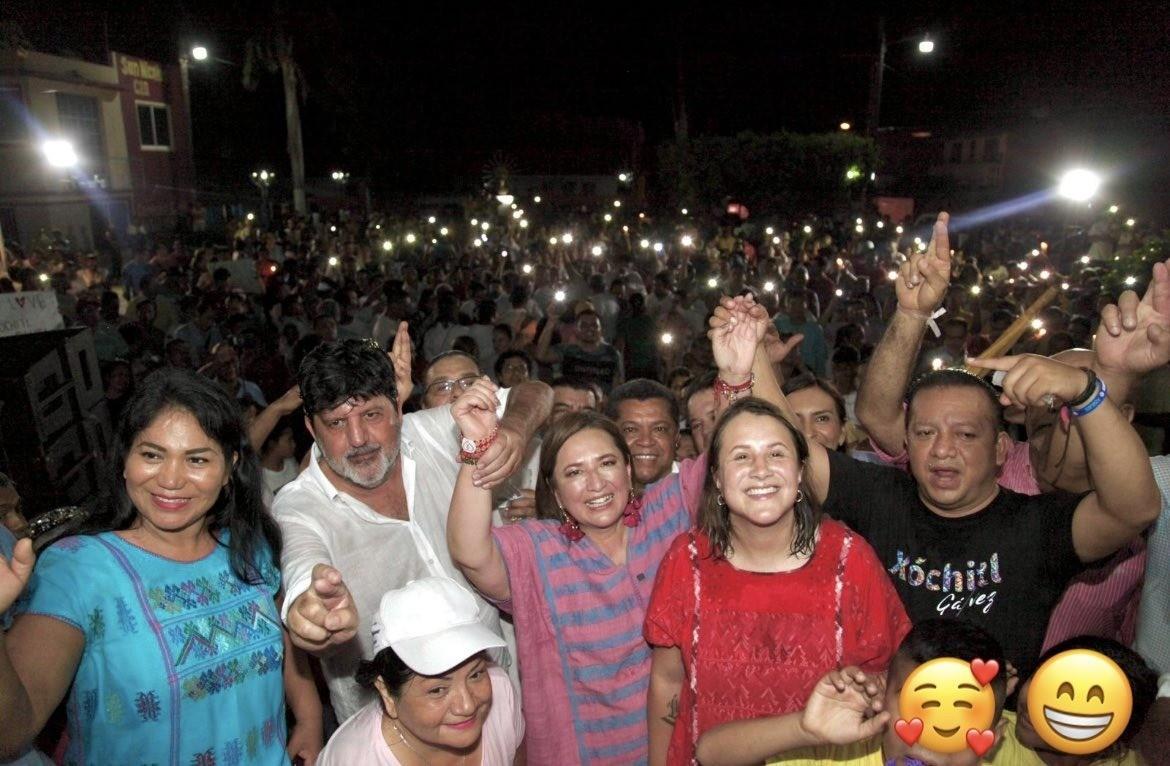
[[671, 711]]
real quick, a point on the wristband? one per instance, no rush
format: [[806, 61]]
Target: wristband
[[928, 318], [1101, 394], [732, 392], [1087, 394], [471, 451]]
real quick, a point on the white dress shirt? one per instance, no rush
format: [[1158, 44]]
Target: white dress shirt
[[374, 553]]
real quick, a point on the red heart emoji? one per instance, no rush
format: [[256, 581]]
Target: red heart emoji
[[984, 671], [909, 731], [980, 741]]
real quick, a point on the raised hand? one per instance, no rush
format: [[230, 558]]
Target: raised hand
[[475, 409], [1035, 381], [402, 357], [289, 401], [845, 707], [14, 574], [922, 281], [1134, 335], [777, 348], [734, 342], [324, 614]]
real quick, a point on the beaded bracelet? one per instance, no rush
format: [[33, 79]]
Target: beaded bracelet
[[477, 448], [1101, 394], [724, 388]]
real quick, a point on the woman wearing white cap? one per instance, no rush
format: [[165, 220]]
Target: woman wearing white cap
[[442, 701]]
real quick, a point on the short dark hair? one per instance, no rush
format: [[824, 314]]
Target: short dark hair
[[714, 518], [955, 378], [962, 639], [700, 383], [1143, 680], [641, 390], [512, 354], [333, 373], [454, 352], [578, 384]]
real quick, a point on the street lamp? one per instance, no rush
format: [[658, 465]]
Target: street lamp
[[873, 112], [60, 153], [845, 126], [262, 179], [1079, 185], [339, 176], [199, 53]]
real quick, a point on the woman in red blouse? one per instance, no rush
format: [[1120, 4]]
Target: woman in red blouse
[[752, 608]]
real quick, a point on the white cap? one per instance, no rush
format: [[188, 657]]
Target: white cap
[[432, 625]]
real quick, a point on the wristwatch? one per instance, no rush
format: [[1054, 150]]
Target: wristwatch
[[467, 444]]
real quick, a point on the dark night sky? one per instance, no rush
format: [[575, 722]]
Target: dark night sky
[[416, 92]]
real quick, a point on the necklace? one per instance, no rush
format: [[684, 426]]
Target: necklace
[[410, 747]]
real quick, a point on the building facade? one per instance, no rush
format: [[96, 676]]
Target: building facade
[[129, 160]]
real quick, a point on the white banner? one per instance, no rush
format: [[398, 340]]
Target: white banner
[[24, 313]]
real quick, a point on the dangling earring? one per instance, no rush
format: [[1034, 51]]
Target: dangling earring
[[720, 501], [570, 528], [799, 496], [632, 515]]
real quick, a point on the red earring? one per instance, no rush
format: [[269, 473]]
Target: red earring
[[570, 528], [632, 515]]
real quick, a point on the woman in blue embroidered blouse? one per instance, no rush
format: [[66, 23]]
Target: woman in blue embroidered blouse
[[160, 621]]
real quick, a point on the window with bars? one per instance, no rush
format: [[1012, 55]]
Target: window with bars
[[154, 126], [80, 120]]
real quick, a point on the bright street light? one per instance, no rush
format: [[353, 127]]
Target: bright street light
[[926, 45], [60, 153], [199, 53], [1079, 184], [845, 126]]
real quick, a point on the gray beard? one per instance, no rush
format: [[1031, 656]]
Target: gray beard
[[343, 469]]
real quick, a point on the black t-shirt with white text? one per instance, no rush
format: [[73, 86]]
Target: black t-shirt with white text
[[1003, 567]]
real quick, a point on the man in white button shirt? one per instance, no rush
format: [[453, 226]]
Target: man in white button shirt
[[369, 512]]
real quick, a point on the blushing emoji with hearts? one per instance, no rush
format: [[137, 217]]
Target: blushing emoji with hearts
[[947, 705]]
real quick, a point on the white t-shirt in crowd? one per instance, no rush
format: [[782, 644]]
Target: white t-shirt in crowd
[[375, 553], [274, 480], [360, 740]]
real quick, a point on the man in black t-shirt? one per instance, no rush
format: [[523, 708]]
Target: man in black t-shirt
[[956, 544]]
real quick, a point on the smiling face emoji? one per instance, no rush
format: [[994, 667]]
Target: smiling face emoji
[[1079, 702], [949, 701]]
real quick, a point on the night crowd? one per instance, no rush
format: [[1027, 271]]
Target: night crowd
[[481, 488]]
